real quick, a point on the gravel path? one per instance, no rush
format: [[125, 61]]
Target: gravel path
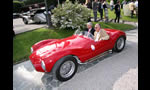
[[129, 81], [20, 27]]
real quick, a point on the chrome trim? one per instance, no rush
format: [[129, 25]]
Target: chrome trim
[[94, 58], [98, 56], [93, 47], [43, 66], [78, 60], [120, 43], [110, 51], [31, 50], [67, 69]]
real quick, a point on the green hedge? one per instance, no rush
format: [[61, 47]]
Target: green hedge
[[69, 15], [17, 6]]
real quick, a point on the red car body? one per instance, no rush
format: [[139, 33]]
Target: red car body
[[51, 50]]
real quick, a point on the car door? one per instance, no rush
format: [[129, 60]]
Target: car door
[[100, 47], [92, 48]]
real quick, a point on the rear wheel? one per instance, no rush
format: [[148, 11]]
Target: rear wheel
[[65, 68], [120, 44]]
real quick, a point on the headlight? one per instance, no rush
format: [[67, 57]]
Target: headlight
[[31, 50], [43, 65]]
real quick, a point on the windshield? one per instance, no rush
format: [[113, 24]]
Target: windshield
[[84, 33]]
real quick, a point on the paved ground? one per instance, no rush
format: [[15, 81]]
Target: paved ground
[[102, 74], [128, 81], [20, 27]]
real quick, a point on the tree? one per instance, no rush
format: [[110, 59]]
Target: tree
[[17, 6], [48, 17]]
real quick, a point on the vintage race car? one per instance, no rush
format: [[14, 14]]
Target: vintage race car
[[62, 56], [35, 15]]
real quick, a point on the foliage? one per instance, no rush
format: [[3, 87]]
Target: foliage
[[69, 15], [17, 6]]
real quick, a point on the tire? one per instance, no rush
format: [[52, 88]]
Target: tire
[[120, 44], [65, 68], [25, 21]]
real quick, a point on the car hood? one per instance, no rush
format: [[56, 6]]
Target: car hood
[[72, 42]]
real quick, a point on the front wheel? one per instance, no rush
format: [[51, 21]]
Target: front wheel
[[120, 44], [65, 68]]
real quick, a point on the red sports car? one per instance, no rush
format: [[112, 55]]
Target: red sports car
[[62, 56]]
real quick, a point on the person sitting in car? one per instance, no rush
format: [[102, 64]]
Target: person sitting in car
[[89, 28], [100, 34]]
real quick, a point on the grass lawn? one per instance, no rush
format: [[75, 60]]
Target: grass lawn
[[112, 15], [23, 42]]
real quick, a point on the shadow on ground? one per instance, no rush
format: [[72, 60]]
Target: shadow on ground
[[51, 82], [32, 23]]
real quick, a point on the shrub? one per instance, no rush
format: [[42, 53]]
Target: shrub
[[17, 6], [69, 15]]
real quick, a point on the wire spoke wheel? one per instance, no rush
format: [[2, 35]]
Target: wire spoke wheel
[[67, 69], [120, 43]]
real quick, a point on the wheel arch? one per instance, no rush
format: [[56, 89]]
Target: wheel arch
[[50, 67], [116, 42], [116, 38], [56, 67]]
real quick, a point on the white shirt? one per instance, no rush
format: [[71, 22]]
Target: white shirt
[[97, 36], [136, 3], [111, 2], [89, 30]]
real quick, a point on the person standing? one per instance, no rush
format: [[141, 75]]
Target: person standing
[[105, 10], [100, 9], [111, 5], [136, 7], [95, 8], [123, 3], [117, 11], [131, 7], [136, 4], [89, 6]]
